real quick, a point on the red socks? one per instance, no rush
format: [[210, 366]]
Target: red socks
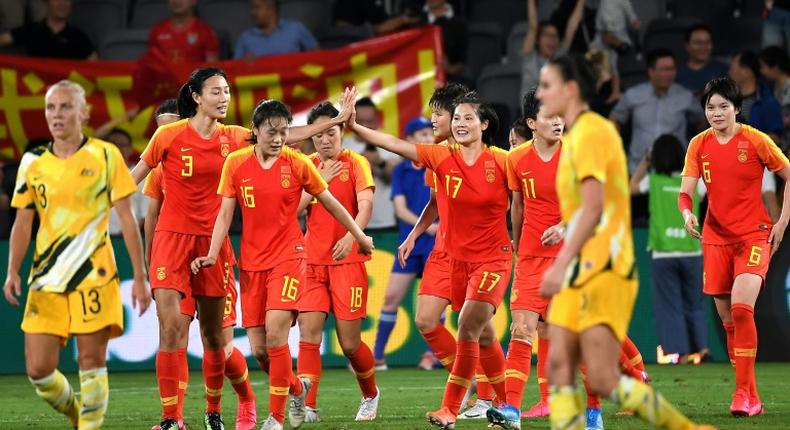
[[729, 329], [593, 400], [280, 379], [466, 356], [236, 371], [362, 363], [484, 390], [519, 361], [492, 358], [543, 378], [183, 380], [167, 374], [442, 343], [309, 366], [213, 377], [744, 347]]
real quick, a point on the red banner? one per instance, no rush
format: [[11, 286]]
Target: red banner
[[398, 71]]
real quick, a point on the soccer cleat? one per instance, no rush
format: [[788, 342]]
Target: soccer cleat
[[246, 416], [755, 407], [594, 419], [740, 404], [271, 424], [540, 410], [296, 409], [170, 424], [507, 417], [427, 361], [380, 365], [368, 407], [443, 418], [476, 412], [311, 415], [704, 427], [213, 421]]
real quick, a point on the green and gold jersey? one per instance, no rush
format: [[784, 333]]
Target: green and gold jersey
[[72, 198]]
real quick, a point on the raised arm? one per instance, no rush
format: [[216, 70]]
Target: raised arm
[[221, 226], [18, 244], [573, 24], [385, 141], [299, 133]]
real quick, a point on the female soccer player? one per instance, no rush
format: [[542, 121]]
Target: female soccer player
[[267, 180], [590, 312], [471, 174], [337, 280], [235, 364], [738, 239], [192, 152], [71, 184]]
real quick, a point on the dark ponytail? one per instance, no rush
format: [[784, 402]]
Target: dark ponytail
[[574, 67], [187, 107]]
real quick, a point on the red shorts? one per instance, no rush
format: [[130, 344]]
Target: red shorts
[[722, 263], [436, 276], [483, 281], [341, 288], [171, 255], [188, 307], [525, 292], [279, 288]]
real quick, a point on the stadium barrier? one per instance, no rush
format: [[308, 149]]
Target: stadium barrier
[[136, 349]]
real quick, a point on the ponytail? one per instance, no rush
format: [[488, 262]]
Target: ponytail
[[187, 107]]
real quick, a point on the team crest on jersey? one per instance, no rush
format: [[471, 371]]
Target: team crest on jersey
[[344, 175], [490, 167], [224, 146], [742, 157], [285, 180], [161, 273]]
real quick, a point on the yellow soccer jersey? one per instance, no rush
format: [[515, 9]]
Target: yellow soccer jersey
[[593, 149], [73, 198]]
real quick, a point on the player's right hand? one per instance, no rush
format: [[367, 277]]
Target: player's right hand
[[202, 262], [329, 170], [691, 224], [404, 250], [366, 247], [12, 288]]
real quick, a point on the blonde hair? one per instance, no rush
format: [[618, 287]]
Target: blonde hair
[[76, 90], [599, 60]]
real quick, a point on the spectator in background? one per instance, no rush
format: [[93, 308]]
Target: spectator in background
[[455, 38], [700, 67], [52, 37], [659, 106], [183, 38], [13, 12], [775, 67], [519, 133], [759, 108], [121, 138], [776, 26], [370, 12], [381, 162], [409, 195], [678, 301], [542, 42], [612, 23], [271, 34], [607, 84]]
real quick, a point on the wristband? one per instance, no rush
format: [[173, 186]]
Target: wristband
[[685, 202]]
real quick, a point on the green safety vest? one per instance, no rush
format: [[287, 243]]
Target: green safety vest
[[666, 232]]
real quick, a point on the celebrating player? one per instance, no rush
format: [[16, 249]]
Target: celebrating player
[[473, 179], [738, 239], [337, 280], [590, 312], [235, 364], [71, 184], [267, 180]]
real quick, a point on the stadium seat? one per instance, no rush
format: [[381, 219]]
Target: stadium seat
[[515, 41], [146, 13], [230, 16], [632, 71], [647, 11], [668, 33], [97, 18], [314, 14], [751, 7], [124, 45], [336, 37], [706, 10], [546, 8], [502, 83], [731, 35], [505, 13], [485, 40]]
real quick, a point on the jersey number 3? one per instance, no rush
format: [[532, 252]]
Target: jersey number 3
[[187, 170]]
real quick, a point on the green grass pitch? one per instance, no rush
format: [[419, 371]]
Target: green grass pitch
[[702, 392]]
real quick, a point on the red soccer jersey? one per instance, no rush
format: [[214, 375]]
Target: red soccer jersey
[[536, 180], [191, 168], [323, 230], [193, 42], [269, 200], [733, 174], [477, 199], [153, 184]]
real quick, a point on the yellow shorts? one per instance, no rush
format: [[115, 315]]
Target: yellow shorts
[[606, 299], [83, 311]]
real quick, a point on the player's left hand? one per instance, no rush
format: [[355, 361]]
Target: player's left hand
[[201, 262], [552, 281], [366, 247], [342, 248], [553, 235], [141, 296], [777, 233]]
